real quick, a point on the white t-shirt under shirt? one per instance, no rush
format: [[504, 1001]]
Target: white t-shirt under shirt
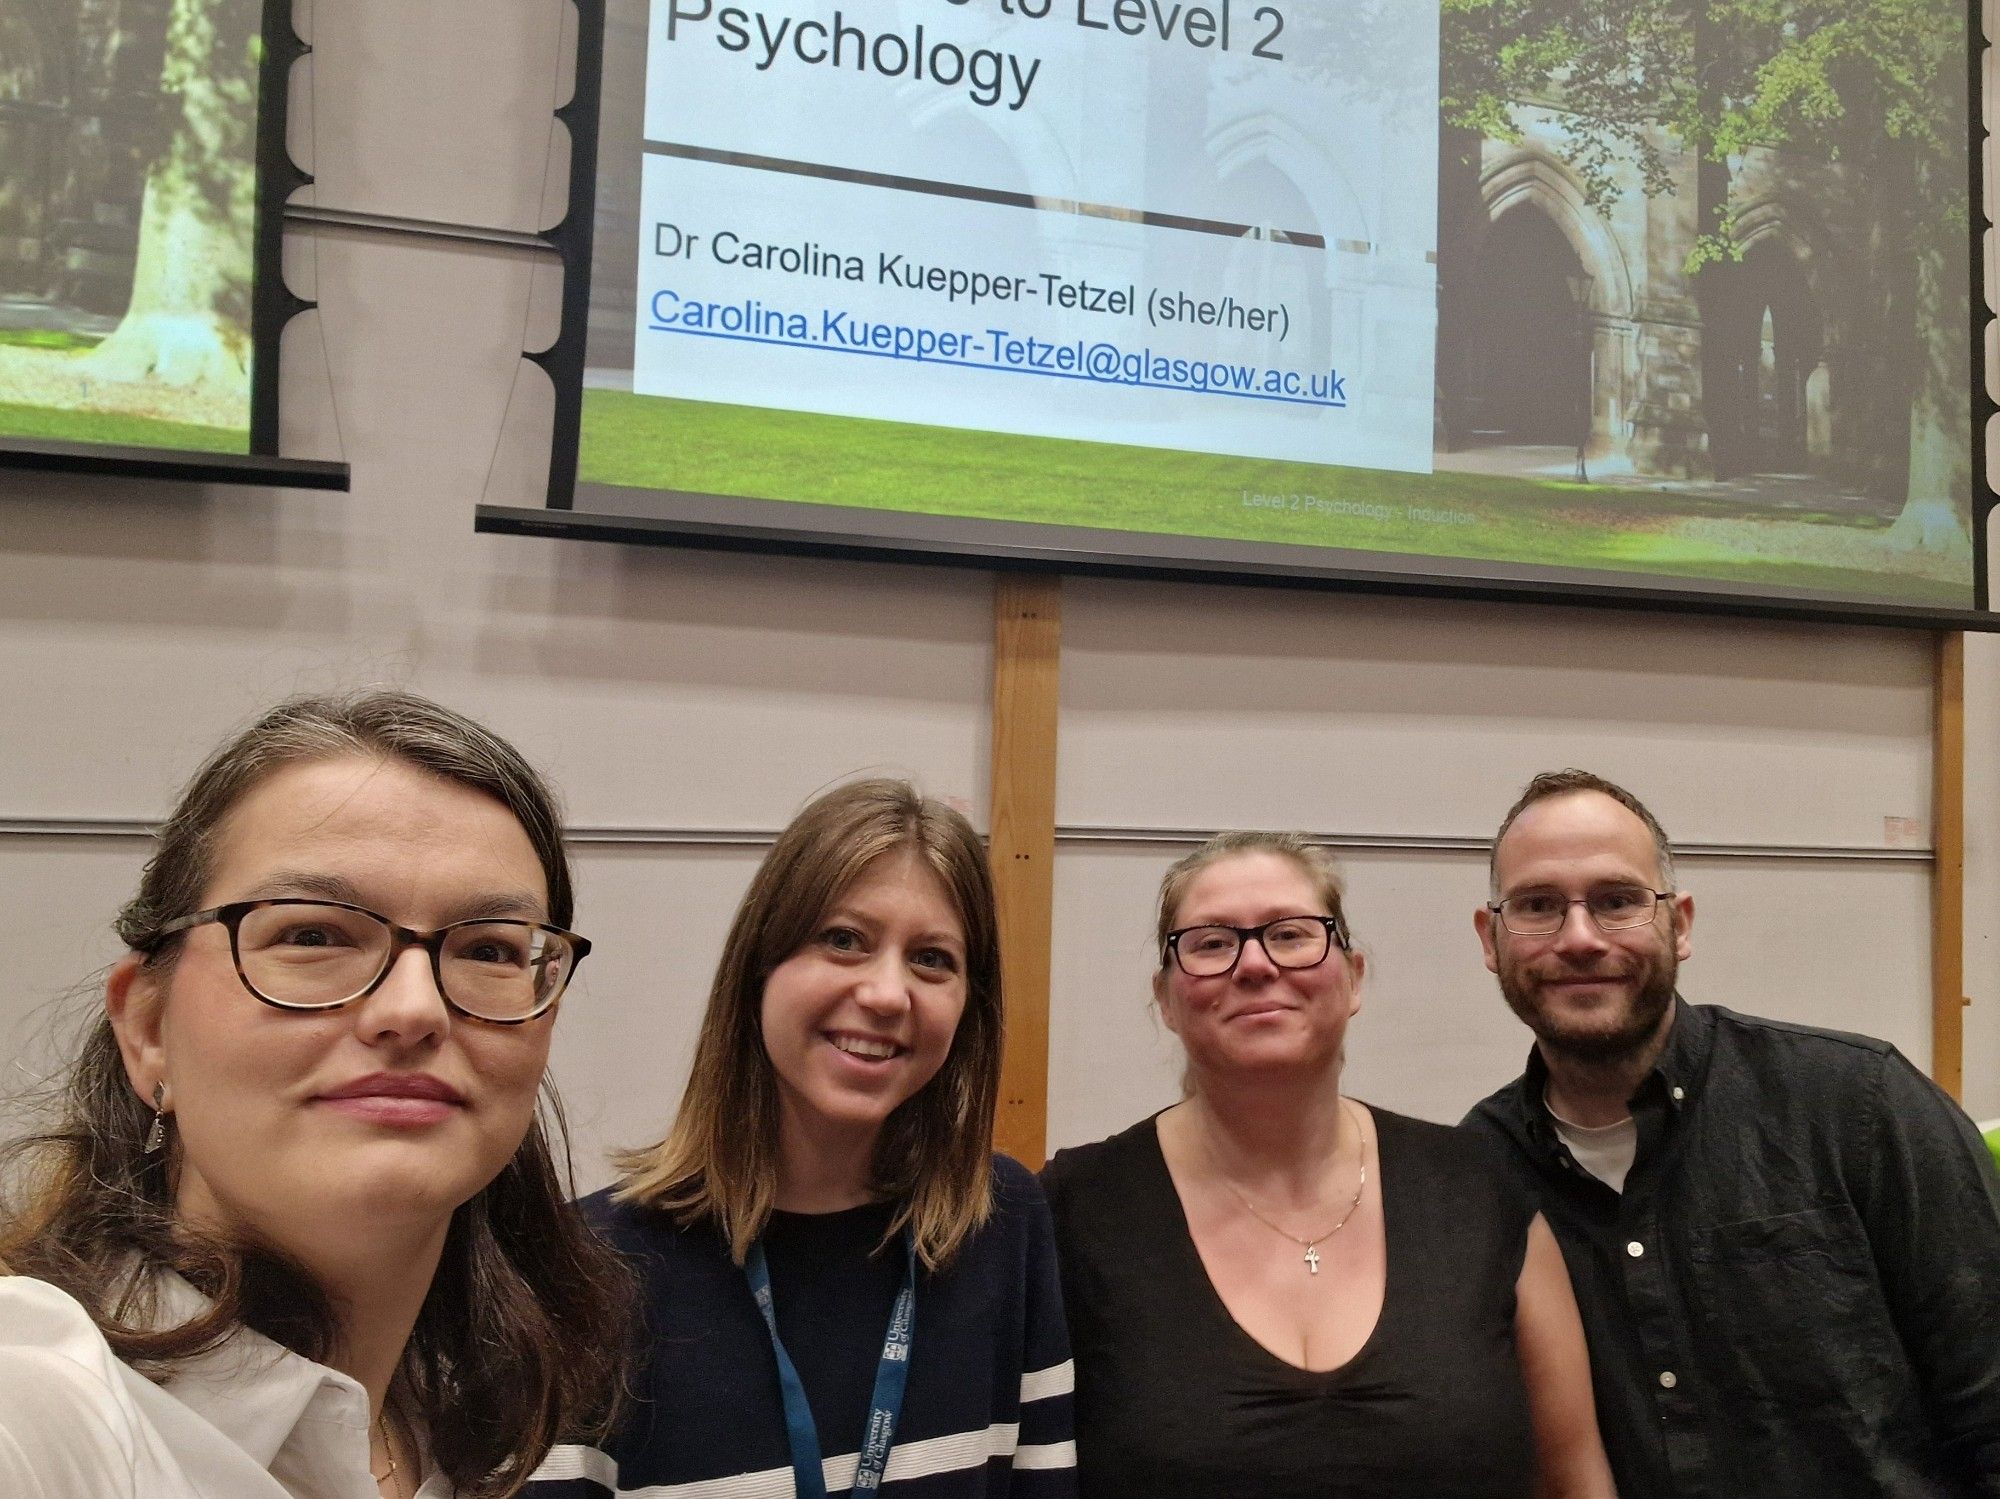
[[246, 1420], [1605, 1151]]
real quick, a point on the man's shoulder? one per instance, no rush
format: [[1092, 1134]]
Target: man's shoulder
[[1496, 1128], [1499, 1114], [1787, 1043]]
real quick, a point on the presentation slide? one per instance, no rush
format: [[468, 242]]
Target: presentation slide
[[128, 191], [1643, 295]]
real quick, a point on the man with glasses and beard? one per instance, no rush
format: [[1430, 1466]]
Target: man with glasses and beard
[[1785, 1241]]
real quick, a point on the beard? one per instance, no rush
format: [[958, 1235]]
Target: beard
[[1607, 1036]]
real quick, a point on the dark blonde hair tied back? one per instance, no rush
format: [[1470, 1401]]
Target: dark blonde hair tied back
[[1314, 862]]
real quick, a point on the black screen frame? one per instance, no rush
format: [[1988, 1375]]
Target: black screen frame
[[674, 518]]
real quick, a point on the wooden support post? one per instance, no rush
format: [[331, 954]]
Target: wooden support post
[[1948, 999], [1027, 654]]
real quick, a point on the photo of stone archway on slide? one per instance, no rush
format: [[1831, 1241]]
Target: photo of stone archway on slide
[[128, 152], [1703, 270]]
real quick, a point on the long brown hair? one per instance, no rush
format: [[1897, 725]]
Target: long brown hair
[[521, 1337], [719, 1160]]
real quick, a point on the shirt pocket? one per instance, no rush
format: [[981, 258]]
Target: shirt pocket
[[1791, 1313]]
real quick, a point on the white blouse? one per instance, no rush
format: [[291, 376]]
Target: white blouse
[[246, 1420]]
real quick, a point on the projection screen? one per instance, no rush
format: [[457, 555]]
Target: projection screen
[[1604, 299], [142, 166]]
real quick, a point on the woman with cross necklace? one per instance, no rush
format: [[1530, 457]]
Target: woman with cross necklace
[[1275, 1289]]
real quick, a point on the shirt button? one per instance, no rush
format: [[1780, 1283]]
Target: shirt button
[[1667, 1379], [1635, 1249], [1679, 1094]]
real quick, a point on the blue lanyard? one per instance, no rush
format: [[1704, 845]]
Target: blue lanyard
[[891, 1376]]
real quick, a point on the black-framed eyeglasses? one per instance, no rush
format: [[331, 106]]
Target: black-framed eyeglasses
[[1541, 913], [298, 954], [1289, 942]]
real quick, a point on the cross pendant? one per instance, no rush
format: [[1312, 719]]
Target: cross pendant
[[1312, 1258]]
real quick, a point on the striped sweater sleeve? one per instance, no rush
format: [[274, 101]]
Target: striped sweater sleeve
[[1045, 1461]]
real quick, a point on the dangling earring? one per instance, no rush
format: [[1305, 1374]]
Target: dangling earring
[[157, 1135]]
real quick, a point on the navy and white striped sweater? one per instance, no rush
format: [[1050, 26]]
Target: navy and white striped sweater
[[987, 1411]]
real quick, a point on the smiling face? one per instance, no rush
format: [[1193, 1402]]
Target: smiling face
[[1258, 1015], [862, 1016], [1585, 993], [390, 1111]]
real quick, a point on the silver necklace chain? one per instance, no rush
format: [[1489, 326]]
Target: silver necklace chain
[[1311, 1246]]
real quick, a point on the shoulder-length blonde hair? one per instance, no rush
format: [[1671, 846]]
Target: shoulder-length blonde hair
[[720, 1158]]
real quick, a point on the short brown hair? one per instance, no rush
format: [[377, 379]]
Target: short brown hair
[[521, 1336], [1313, 861], [1554, 783], [719, 1160]]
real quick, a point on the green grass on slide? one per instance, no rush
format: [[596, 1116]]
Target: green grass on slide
[[49, 338], [50, 424], [652, 442]]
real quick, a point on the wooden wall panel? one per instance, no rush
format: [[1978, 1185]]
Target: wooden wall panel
[[1027, 651]]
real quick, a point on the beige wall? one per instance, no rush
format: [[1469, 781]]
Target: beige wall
[[676, 695]]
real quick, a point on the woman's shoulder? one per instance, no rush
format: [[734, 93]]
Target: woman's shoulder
[[67, 1420], [1409, 1131], [1452, 1164], [1110, 1189], [1020, 1207], [1014, 1185], [1081, 1167], [1444, 1144], [653, 1238], [626, 1221], [42, 1323], [81, 1423]]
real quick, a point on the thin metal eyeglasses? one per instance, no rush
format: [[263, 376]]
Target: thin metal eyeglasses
[[1289, 942], [299, 954], [1615, 908]]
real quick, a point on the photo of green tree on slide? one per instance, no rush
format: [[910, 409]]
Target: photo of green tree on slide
[[1706, 265], [128, 133]]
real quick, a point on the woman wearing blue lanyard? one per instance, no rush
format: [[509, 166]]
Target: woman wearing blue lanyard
[[844, 1290]]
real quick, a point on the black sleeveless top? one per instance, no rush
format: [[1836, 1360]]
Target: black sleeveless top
[[1173, 1398]]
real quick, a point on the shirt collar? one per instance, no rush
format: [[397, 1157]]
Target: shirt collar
[[283, 1410], [1683, 1064], [1674, 1081]]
